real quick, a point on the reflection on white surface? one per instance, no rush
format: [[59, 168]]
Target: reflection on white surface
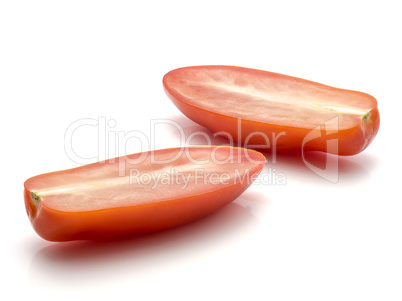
[[88, 263]]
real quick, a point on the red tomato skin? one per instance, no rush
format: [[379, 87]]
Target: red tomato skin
[[58, 226], [55, 225], [351, 141]]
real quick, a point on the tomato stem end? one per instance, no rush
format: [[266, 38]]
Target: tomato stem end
[[35, 197]]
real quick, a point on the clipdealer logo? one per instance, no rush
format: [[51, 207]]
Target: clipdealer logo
[[330, 129], [111, 143]]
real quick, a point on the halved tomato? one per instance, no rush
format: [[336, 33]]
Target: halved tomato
[[267, 110], [138, 193]]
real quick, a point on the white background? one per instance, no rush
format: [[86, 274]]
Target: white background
[[62, 61]]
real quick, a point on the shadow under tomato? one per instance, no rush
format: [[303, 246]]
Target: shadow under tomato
[[88, 262], [310, 167], [322, 169]]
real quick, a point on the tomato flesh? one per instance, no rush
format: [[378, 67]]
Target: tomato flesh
[[251, 106], [139, 193]]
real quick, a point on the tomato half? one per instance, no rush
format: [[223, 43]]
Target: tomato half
[[274, 111], [138, 193]]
